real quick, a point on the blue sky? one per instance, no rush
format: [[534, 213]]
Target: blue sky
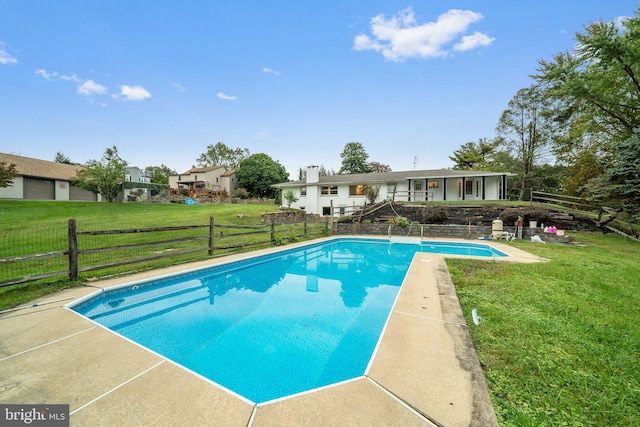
[[297, 80]]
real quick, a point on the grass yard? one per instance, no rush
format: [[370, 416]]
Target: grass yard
[[560, 341]]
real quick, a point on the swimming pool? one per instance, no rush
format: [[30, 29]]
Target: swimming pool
[[269, 326]]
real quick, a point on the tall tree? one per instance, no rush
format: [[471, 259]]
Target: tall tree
[[222, 155], [7, 173], [354, 159], [619, 185], [527, 128], [104, 176], [475, 155], [160, 174], [258, 172], [61, 158], [600, 81], [596, 89]]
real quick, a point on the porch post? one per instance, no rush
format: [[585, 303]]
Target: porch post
[[464, 187], [504, 187], [444, 189], [483, 185]]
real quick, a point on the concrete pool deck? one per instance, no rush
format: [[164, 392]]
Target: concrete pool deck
[[425, 371]]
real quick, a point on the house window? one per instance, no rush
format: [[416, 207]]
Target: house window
[[195, 178], [216, 179], [342, 211], [468, 188], [326, 210], [433, 184], [303, 191], [179, 177], [355, 190], [332, 189], [417, 186]]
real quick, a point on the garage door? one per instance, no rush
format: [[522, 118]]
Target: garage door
[[39, 189], [77, 193]]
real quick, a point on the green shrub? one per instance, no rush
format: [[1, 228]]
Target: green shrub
[[242, 193], [399, 220]]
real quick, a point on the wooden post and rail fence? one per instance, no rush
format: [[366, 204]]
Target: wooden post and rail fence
[[169, 247]]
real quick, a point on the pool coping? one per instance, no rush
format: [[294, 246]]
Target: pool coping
[[425, 371]]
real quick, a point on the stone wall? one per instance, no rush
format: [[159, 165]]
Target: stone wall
[[289, 217]]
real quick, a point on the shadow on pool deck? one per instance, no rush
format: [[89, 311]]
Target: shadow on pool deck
[[425, 371]]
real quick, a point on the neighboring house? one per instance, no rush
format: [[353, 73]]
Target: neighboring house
[[205, 180], [43, 180], [337, 195], [137, 175]]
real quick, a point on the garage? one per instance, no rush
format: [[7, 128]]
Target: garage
[[39, 189]]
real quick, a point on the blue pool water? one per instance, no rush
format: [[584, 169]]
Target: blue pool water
[[273, 325]]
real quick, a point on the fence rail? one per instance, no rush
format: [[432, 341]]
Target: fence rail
[[572, 201], [109, 249]]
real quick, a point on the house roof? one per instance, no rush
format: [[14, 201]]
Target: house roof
[[201, 170], [391, 177], [27, 166]]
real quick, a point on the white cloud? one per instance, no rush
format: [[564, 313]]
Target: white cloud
[[90, 88], [133, 93], [401, 37], [54, 76], [5, 57], [473, 41], [226, 97], [45, 74], [71, 78], [266, 70], [178, 86]]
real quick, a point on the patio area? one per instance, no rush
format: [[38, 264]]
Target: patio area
[[424, 373]]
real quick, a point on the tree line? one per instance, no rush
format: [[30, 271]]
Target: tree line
[[582, 109]]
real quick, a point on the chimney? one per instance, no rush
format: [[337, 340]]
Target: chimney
[[313, 174]]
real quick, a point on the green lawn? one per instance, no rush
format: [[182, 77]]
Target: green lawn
[[560, 341]]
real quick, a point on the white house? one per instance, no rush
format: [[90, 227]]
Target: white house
[[204, 180], [338, 195]]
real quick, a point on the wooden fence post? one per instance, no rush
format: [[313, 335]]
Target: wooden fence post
[[273, 231], [211, 224], [73, 250], [305, 226]]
